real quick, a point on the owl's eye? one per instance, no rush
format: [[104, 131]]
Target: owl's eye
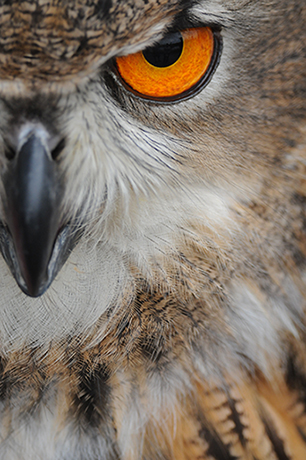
[[180, 64]]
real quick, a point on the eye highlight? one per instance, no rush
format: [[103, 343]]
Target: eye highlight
[[173, 69]]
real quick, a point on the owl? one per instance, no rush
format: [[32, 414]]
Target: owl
[[153, 230]]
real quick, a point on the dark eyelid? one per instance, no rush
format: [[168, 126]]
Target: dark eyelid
[[189, 93], [183, 21], [178, 25]]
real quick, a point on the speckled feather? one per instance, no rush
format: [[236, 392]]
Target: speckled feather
[[57, 40], [176, 329]]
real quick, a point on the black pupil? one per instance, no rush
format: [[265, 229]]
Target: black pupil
[[166, 52]]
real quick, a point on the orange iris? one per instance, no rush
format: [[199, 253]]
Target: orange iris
[[164, 82]]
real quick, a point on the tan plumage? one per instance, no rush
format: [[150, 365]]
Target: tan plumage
[[175, 329]]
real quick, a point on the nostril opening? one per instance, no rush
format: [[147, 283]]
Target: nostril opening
[[58, 149], [10, 152]]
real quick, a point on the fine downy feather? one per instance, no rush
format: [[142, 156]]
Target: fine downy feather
[[176, 328]]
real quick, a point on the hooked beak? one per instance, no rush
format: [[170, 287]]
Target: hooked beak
[[36, 244]]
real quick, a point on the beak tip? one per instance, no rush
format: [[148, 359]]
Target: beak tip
[[33, 286], [31, 292], [35, 283]]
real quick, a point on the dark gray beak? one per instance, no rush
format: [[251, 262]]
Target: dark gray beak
[[35, 243]]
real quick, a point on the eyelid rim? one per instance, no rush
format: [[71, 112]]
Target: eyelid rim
[[191, 92]]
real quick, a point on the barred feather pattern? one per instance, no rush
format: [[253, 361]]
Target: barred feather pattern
[[176, 328], [152, 388], [241, 418]]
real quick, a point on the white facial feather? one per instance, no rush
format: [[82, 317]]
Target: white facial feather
[[131, 184], [60, 312]]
